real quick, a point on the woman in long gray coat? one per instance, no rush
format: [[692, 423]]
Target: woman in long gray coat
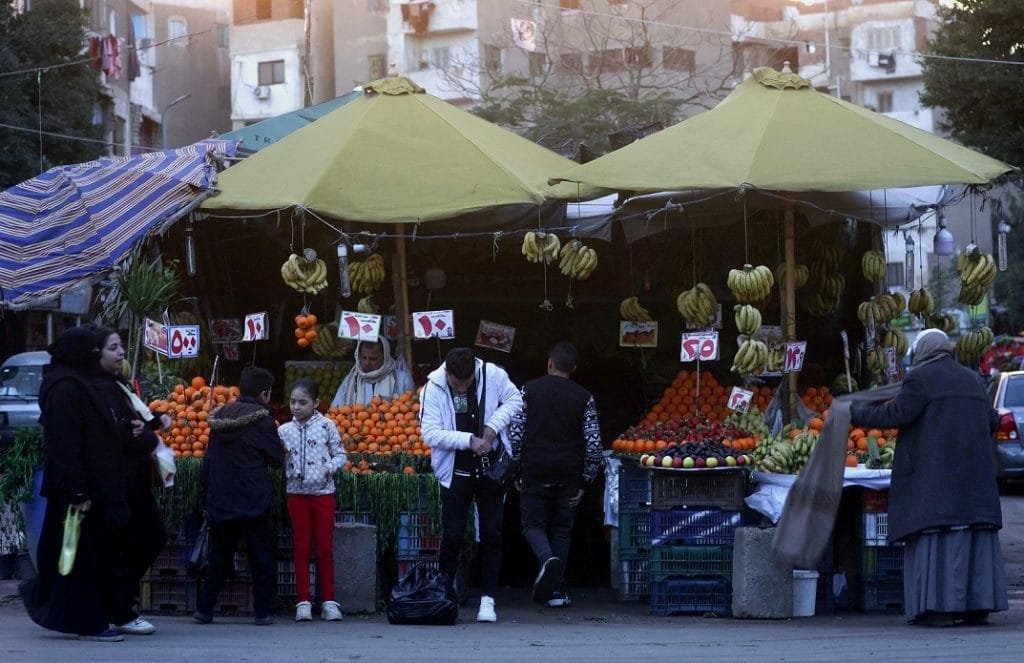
[[943, 501]]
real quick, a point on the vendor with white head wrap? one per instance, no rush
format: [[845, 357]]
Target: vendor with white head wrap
[[375, 374]]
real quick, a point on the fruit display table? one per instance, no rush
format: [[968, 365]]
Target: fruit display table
[[770, 490]]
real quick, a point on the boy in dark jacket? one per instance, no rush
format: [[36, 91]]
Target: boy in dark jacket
[[237, 492]]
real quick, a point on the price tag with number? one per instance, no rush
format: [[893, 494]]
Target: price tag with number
[[433, 324], [739, 400], [359, 326], [255, 327], [890, 361], [183, 341], [699, 346], [795, 353]]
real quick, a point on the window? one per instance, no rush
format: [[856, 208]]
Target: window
[[271, 72], [678, 59], [884, 38], [378, 66], [440, 57], [571, 62], [884, 102], [638, 56], [538, 64], [894, 273], [222, 35], [606, 60], [177, 31], [492, 59]]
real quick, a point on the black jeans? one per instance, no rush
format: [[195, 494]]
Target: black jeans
[[224, 537], [455, 502], [547, 521], [139, 545]]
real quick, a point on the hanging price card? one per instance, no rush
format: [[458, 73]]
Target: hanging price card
[[255, 327], [739, 400], [433, 324], [701, 346], [359, 326], [795, 352], [183, 341], [154, 336], [890, 361]]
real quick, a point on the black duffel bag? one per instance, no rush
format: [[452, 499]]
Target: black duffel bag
[[423, 596]]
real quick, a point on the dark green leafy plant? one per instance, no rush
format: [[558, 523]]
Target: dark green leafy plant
[[18, 464]]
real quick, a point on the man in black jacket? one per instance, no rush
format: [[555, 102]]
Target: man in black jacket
[[237, 492], [556, 441]]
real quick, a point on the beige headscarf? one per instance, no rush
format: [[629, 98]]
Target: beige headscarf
[[383, 377]]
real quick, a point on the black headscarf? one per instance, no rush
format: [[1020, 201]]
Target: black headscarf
[[75, 355]]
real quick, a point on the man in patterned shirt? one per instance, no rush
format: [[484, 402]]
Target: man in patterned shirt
[[556, 441]]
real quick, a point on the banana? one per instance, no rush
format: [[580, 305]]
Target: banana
[[748, 319], [750, 285], [873, 266], [750, 358], [367, 305], [631, 310], [800, 274]]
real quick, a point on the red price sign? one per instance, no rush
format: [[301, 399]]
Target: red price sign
[[255, 327], [430, 324], [795, 353], [183, 341], [359, 326], [699, 346], [739, 400]]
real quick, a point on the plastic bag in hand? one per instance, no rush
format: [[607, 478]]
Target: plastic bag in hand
[[72, 532]]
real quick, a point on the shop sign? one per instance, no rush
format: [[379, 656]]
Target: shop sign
[[359, 326], [699, 346], [255, 327], [795, 353], [638, 334], [183, 341], [497, 337], [739, 400], [433, 324]]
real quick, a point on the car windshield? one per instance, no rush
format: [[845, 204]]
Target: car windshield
[[1014, 394], [21, 381]]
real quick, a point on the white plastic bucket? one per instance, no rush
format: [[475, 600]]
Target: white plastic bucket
[[805, 589]]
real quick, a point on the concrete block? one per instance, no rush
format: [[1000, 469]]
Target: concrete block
[[355, 567], [762, 586]]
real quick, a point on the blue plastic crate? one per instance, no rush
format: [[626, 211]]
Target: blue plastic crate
[[722, 488], [634, 487], [635, 579], [694, 526], [676, 596], [634, 533], [419, 535], [668, 561], [882, 563]]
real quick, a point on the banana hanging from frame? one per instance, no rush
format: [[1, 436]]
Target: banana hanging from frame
[[306, 273], [577, 261]]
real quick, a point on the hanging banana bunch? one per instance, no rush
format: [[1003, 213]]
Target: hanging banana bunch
[[748, 319], [697, 305], [366, 275], [327, 344], [872, 264], [800, 274], [972, 345], [827, 254], [542, 247], [751, 285], [977, 271], [944, 321], [751, 358], [577, 260], [306, 274], [631, 311], [776, 358], [921, 303], [367, 305], [897, 340], [818, 305], [877, 360]]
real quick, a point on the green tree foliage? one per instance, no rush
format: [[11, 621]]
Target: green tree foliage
[[983, 102], [61, 98]]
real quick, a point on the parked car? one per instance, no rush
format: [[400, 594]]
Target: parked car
[[1007, 393], [20, 378]]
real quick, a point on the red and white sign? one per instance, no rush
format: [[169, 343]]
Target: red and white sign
[[230, 352], [795, 353], [495, 336], [699, 346], [359, 326], [433, 324], [391, 327], [255, 327], [890, 361], [739, 400], [183, 341]]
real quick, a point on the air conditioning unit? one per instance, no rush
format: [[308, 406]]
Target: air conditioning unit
[[261, 92]]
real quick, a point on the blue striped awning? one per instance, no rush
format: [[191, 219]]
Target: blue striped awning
[[75, 222]]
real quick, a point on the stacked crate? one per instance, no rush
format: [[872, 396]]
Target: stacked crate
[[286, 592], [166, 588], [418, 541], [694, 518], [881, 565], [634, 532]]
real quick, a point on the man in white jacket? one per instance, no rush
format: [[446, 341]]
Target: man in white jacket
[[465, 411]]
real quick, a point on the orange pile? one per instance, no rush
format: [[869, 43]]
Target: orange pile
[[189, 407], [680, 399], [817, 398], [305, 329], [382, 427]]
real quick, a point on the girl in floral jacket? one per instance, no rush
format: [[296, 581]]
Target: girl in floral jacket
[[314, 455]]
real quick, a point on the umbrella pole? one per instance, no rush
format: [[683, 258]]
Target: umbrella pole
[[790, 297], [401, 287]]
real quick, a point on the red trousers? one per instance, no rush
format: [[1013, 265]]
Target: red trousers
[[313, 529]]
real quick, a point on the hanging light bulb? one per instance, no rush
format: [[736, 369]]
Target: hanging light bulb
[[943, 244], [190, 249], [908, 281]]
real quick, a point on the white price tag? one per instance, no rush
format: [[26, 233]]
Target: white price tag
[[890, 361], [702, 346], [255, 327], [739, 400], [183, 341], [359, 326], [433, 324], [795, 353]]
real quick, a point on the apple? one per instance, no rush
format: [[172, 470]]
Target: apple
[[700, 462], [650, 461], [711, 462], [688, 462], [741, 459], [677, 461], [666, 461], [730, 461], [643, 459]]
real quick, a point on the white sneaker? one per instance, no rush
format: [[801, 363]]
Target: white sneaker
[[486, 612], [331, 611], [137, 626], [303, 611]]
